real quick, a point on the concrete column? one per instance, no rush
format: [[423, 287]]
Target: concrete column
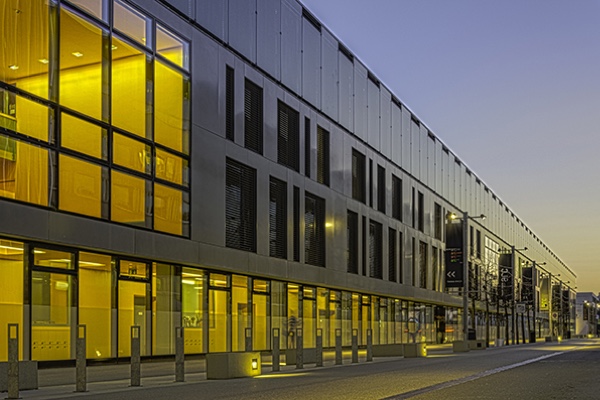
[[354, 346], [13, 361], [319, 349], [338, 347], [136, 371], [248, 335], [275, 350], [179, 355], [299, 349], [369, 345], [80, 360]]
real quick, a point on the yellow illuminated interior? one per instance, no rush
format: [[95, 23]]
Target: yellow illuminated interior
[[168, 214], [170, 47], [169, 126], [11, 293], [169, 167], [130, 22], [128, 194], [82, 136], [131, 153], [95, 288], [80, 186]]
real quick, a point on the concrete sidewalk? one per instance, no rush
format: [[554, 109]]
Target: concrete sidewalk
[[55, 383]]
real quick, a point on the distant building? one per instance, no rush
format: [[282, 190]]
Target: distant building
[[230, 167], [587, 313]]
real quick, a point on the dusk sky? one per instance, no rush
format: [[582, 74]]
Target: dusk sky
[[512, 87]]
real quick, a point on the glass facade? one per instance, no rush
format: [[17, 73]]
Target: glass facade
[[119, 148], [96, 130]]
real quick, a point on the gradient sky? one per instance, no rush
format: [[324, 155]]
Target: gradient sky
[[512, 87]]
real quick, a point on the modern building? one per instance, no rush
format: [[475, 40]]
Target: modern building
[[587, 314], [232, 168]]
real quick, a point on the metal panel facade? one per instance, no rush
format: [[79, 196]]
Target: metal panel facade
[[329, 75], [311, 63], [268, 52]]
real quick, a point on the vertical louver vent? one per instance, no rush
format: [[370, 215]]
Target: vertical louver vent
[[240, 206], [253, 116]]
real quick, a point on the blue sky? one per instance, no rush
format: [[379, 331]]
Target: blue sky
[[512, 87]]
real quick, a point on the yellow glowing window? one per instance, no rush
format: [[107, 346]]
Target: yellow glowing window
[[131, 153], [219, 280], [93, 7], [168, 206], [23, 171], [171, 167], [129, 87], [24, 55], [132, 23], [82, 136], [53, 258], [22, 115], [80, 64], [80, 186], [171, 47], [128, 199], [134, 269], [171, 119]]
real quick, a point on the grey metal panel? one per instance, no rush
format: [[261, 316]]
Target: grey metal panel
[[212, 15], [311, 64], [406, 139], [431, 161], [438, 167], [424, 170], [271, 94], [337, 171], [75, 230], [445, 175], [242, 27], [360, 100], [207, 189], [291, 39], [396, 121], [329, 75], [373, 115], [268, 52], [22, 220], [206, 104], [385, 109], [346, 99], [187, 7], [415, 161]]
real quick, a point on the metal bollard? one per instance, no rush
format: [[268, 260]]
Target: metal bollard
[[275, 351], [179, 355], [136, 372], [354, 346], [338, 347], [80, 360], [319, 349], [248, 339], [13, 361], [369, 345], [299, 349]]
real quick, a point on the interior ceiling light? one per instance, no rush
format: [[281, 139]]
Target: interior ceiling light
[[14, 67], [114, 47], [44, 60], [77, 54]]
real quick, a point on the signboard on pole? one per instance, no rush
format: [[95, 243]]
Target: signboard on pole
[[545, 294], [453, 256], [505, 279]]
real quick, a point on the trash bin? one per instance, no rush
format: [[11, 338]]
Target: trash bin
[[471, 334], [531, 337]]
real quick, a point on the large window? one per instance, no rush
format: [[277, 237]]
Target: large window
[[278, 218], [229, 103], [240, 206], [314, 229], [358, 176], [124, 97], [375, 250], [288, 137], [322, 156], [352, 242], [253, 117], [396, 198], [11, 292]]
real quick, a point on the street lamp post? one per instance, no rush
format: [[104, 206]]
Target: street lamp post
[[465, 238]]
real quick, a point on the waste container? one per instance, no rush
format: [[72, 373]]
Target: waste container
[[471, 334], [531, 337]]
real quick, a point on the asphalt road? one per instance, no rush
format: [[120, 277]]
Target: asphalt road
[[537, 371]]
